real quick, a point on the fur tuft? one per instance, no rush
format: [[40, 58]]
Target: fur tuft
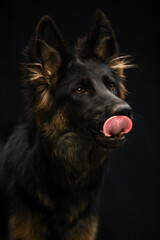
[[118, 65], [36, 89], [34, 71]]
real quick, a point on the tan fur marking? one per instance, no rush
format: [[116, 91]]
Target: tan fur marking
[[69, 140], [25, 228], [47, 130], [45, 201], [37, 79], [35, 70], [74, 212], [99, 51], [59, 120], [85, 229], [57, 125], [119, 64], [44, 102], [123, 91]]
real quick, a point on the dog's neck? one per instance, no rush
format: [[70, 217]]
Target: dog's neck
[[75, 166]]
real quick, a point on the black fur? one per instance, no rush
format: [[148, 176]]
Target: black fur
[[51, 166]]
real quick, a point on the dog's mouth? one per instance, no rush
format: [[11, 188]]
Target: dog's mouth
[[109, 142], [114, 130]]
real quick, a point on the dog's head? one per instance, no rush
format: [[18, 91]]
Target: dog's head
[[76, 92]]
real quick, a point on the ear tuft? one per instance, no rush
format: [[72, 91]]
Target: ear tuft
[[46, 58], [51, 61], [49, 48]]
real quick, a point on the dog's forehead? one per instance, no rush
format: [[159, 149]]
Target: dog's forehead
[[92, 69]]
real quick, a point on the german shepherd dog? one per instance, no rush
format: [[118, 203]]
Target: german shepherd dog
[[52, 165]]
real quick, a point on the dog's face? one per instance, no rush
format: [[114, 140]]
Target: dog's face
[[77, 93], [90, 92]]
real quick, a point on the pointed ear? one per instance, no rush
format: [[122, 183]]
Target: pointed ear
[[100, 41], [49, 48]]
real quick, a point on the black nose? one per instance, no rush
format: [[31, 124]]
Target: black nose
[[122, 109]]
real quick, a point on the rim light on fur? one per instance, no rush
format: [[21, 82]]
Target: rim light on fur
[[119, 64]]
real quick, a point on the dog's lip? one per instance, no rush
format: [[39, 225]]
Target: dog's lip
[[105, 139], [101, 133], [120, 135]]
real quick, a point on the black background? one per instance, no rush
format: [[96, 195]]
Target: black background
[[130, 195]]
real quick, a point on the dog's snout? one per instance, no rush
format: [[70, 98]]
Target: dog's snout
[[122, 109]]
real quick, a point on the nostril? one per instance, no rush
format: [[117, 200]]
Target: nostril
[[123, 109]]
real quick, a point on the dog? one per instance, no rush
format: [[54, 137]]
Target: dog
[[52, 164]]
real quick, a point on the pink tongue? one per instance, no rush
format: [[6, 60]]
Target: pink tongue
[[117, 124]]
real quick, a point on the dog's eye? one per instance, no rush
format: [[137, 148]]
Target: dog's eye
[[79, 90], [111, 86]]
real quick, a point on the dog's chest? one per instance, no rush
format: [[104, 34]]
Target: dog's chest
[[40, 227]]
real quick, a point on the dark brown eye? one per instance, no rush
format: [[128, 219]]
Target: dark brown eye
[[111, 86], [79, 90]]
